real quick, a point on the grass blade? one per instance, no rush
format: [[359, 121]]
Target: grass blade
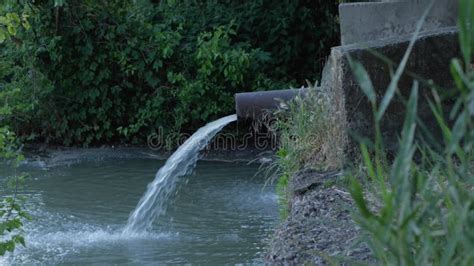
[[396, 78], [363, 79]]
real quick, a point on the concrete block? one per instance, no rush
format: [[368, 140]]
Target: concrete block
[[369, 21], [429, 60]]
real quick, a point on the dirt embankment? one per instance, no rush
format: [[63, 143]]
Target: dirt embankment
[[319, 225]]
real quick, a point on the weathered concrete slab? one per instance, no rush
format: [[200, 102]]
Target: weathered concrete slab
[[429, 60], [369, 21]]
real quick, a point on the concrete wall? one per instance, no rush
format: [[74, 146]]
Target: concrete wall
[[369, 21], [430, 60]]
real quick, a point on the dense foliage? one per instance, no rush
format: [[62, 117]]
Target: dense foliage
[[90, 72], [80, 72], [12, 214]]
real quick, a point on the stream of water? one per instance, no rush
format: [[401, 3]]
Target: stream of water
[[182, 162], [221, 215]]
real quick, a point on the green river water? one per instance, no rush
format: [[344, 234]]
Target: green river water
[[221, 214]]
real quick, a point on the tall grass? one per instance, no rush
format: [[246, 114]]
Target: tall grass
[[422, 207], [307, 135], [311, 135]]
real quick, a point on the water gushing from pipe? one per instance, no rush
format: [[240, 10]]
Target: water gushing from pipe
[[153, 203]]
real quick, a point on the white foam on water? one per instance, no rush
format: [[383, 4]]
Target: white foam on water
[[183, 160], [53, 237], [90, 237], [53, 247]]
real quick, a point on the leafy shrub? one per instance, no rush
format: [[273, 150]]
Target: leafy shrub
[[94, 71], [297, 34], [422, 206], [12, 214]]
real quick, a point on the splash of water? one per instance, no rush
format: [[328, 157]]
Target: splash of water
[[183, 160]]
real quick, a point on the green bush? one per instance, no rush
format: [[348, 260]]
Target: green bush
[[418, 209], [11, 212], [90, 72]]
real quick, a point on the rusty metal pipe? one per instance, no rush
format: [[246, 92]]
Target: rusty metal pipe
[[251, 105]]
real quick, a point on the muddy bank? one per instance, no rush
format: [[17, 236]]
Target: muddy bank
[[319, 224]]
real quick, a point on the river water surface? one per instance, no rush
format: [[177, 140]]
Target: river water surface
[[222, 213]]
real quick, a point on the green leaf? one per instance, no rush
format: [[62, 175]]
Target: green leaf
[[458, 132], [401, 68], [363, 79], [3, 227], [11, 30], [401, 166], [3, 249], [20, 240], [466, 29], [358, 196], [3, 20], [24, 21], [3, 35], [458, 75], [367, 161], [10, 246], [438, 114], [14, 18]]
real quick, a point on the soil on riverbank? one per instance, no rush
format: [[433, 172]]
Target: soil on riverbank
[[319, 225]]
